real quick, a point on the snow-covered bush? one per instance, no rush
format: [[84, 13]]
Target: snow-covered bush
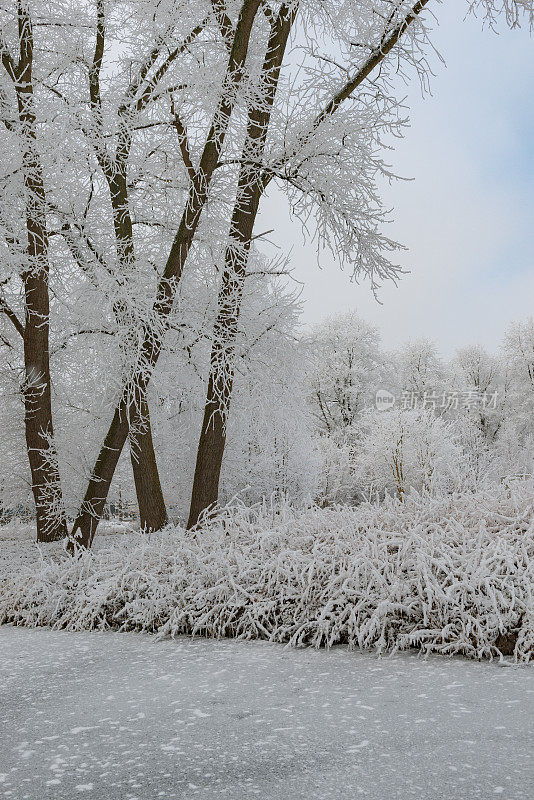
[[514, 453], [450, 575]]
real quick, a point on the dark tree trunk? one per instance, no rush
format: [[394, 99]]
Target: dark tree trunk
[[212, 441], [92, 506], [210, 451], [46, 485], [39, 432], [150, 502], [152, 510]]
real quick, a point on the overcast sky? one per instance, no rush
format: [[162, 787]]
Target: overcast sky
[[468, 215]]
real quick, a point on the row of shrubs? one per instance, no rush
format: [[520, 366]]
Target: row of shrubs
[[448, 575]]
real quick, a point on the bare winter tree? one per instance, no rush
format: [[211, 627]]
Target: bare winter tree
[[372, 41], [34, 272], [347, 369]]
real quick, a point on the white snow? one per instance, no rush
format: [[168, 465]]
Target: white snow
[[275, 723]]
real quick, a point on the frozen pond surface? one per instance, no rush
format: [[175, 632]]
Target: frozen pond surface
[[120, 716]]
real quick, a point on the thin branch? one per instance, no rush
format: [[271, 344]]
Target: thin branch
[[84, 332], [376, 56], [12, 317], [94, 86], [160, 73], [224, 22], [144, 69], [96, 66], [183, 142]]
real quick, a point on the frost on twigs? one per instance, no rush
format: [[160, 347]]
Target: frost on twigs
[[448, 575]]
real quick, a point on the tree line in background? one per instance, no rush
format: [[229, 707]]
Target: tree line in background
[[137, 299]]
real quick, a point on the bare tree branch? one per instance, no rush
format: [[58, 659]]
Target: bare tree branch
[[160, 73], [12, 317], [224, 22], [375, 57], [183, 143]]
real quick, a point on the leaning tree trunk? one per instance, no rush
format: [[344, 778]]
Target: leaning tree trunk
[[152, 511], [150, 501], [212, 441], [46, 486], [93, 503], [252, 184]]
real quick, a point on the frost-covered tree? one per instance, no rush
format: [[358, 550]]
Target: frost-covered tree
[[176, 118], [105, 79], [318, 90], [270, 446], [483, 385], [24, 243], [518, 349], [421, 375], [345, 372], [407, 449]]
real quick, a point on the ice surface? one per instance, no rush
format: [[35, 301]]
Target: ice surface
[[120, 716]]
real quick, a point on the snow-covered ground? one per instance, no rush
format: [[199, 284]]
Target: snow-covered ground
[[121, 716]]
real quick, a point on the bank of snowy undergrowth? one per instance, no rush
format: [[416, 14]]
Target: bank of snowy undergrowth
[[450, 575]]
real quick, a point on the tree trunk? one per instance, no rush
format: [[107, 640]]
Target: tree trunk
[[212, 441], [150, 502], [93, 503], [152, 510], [211, 446], [46, 485]]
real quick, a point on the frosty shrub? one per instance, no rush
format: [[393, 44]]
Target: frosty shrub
[[479, 466], [407, 449], [337, 479], [449, 575]]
